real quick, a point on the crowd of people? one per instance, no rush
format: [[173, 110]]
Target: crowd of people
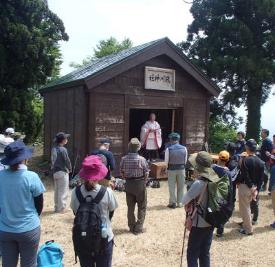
[[242, 167]]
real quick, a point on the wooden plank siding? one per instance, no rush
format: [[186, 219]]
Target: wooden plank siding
[[91, 113], [66, 110], [195, 121], [190, 100]]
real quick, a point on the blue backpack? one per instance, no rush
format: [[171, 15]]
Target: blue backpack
[[50, 255]]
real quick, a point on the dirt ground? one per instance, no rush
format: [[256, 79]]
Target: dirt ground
[[161, 244]]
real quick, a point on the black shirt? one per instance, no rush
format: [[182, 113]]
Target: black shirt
[[240, 146], [110, 160], [252, 171], [266, 146]]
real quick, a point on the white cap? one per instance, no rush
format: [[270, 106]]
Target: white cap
[[9, 131]]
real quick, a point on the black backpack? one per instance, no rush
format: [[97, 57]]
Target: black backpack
[[87, 238]]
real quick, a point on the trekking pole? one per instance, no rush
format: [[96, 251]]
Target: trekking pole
[[75, 162], [182, 251]]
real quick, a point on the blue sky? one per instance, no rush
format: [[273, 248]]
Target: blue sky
[[88, 21]]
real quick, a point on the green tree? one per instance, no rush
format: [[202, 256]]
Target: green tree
[[29, 57], [219, 134], [104, 48], [233, 41]]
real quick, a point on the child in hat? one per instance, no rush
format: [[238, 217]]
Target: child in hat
[[20, 210], [93, 171]]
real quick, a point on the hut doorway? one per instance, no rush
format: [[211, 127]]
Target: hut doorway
[[165, 117]]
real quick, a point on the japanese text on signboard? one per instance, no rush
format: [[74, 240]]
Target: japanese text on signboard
[[159, 79]]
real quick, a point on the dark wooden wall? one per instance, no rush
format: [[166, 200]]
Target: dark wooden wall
[[111, 102], [66, 110], [127, 91], [89, 114]]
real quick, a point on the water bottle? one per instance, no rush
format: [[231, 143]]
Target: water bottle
[[104, 233]]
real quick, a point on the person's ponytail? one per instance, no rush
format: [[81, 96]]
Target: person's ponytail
[[89, 185]]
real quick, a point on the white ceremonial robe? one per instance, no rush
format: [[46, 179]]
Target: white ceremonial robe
[[151, 140]]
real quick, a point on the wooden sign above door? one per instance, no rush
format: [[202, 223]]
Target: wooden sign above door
[[159, 79]]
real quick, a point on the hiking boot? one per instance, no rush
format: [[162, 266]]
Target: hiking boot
[[272, 225], [172, 206], [138, 232], [243, 232], [254, 222], [219, 235], [180, 205]]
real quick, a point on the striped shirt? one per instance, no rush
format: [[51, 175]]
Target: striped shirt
[[134, 166]]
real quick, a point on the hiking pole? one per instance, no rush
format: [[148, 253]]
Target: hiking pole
[[182, 251], [75, 162]]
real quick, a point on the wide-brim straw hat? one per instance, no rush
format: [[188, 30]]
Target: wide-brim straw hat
[[202, 162]]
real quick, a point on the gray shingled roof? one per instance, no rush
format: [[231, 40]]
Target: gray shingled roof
[[100, 64]]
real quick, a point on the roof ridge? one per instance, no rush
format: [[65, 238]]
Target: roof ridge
[[103, 64], [84, 68]]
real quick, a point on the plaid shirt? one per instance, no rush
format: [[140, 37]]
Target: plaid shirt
[[134, 166]]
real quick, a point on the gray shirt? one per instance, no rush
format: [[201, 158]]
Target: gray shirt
[[107, 204], [60, 160], [194, 193]]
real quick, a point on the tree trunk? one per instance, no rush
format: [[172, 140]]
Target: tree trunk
[[254, 103]]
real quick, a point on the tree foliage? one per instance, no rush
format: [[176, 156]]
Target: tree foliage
[[105, 48], [233, 41], [219, 134], [29, 57]]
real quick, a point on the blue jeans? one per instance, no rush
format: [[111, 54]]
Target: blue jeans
[[104, 259], [199, 244]]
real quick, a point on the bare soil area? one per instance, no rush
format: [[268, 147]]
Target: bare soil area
[[161, 244]]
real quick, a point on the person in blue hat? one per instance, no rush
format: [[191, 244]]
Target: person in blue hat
[[176, 157], [21, 203]]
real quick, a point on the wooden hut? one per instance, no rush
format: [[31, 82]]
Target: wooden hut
[[113, 96]]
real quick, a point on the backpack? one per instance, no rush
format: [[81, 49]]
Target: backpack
[[50, 255], [220, 203], [235, 172], [192, 208], [87, 238]]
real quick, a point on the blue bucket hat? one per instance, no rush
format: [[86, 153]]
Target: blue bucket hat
[[15, 153]]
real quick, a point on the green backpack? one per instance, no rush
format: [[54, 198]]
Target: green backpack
[[220, 203]]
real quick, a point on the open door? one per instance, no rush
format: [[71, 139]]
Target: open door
[[139, 116]]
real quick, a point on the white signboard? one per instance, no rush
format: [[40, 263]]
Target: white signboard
[[159, 79]]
